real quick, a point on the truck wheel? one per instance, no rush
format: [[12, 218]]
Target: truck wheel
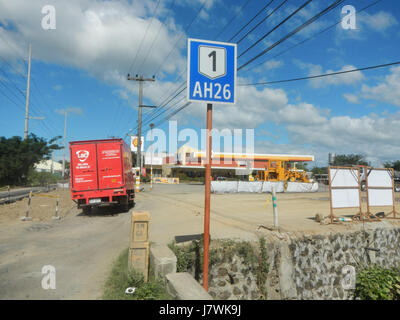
[[125, 207], [87, 210]]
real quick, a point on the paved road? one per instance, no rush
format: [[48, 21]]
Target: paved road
[[81, 248]]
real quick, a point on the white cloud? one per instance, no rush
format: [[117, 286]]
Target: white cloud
[[352, 98], [57, 87], [388, 91], [379, 21], [99, 37], [350, 78], [273, 64]]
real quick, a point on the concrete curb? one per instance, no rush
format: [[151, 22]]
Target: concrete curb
[[162, 260], [182, 286]]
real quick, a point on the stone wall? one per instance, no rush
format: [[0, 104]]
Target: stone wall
[[233, 281], [306, 268], [318, 261]]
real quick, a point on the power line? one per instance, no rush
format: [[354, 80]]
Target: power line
[[233, 18], [144, 36], [160, 111], [304, 25], [155, 38], [277, 26], [182, 33], [322, 75], [250, 21], [333, 5], [157, 112], [261, 21], [313, 36], [115, 116]]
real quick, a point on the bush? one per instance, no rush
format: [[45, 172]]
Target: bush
[[376, 283], [35, 178], [121, 278]]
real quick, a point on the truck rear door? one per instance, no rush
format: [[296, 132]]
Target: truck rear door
[[84, 167], [109, 159]]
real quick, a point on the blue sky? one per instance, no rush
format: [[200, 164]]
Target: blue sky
[[81, 67]]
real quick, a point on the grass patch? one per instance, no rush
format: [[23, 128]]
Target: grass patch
[[121, 278]]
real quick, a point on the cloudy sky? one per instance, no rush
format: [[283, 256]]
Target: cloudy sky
[[81, 67]]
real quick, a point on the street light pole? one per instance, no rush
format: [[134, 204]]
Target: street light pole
[[27, 94], [65, 137]]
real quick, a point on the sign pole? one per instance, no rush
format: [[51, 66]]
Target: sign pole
[[207, 197], [211, 79]]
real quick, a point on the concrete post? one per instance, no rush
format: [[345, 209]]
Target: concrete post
[[276, 223]]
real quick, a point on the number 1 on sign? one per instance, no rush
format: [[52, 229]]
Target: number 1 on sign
[[213, 54]]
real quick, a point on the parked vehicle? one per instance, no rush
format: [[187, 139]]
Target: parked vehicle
[[101, 174]]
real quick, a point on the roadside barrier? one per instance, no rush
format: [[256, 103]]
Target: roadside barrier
[[28, 209], [166, 180]]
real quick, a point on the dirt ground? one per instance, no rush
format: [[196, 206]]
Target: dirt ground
[[241, 215], [82, 248], [43, 207]]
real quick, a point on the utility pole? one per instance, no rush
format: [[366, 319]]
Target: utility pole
[[151, 157], [65, 137], [139, 133], [27, 94]]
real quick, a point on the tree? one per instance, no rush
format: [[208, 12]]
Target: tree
[[319, 170], [393, 164], [18, 156], [349, 159], [302, 166]]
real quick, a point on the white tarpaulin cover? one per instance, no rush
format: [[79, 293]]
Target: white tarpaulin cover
[[344, 177], [380, 197], [246, 186], [260, 186], [267, 186], [302, 187], [380, 179], [224, 186], [345, 198]]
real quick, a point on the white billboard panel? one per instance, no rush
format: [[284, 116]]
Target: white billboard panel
[[345, 198], [343, 177], [380, 197], [379, 178]]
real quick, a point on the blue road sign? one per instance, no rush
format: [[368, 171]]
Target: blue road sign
[[211, 71]]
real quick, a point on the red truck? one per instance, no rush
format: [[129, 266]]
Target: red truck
[[101, 173]]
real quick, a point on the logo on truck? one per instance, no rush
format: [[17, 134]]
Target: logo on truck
[[82, 155]]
